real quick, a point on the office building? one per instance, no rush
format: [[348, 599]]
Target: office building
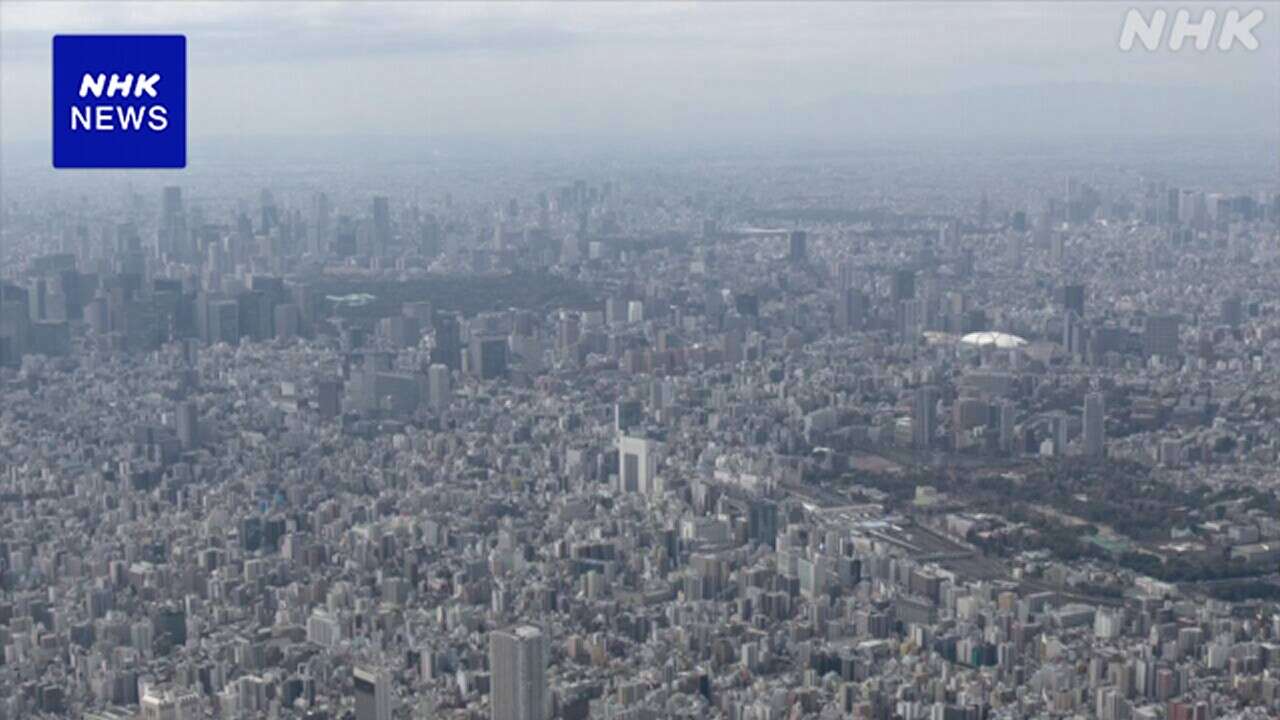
[[373, 698], [1094, 426], [517, 666]]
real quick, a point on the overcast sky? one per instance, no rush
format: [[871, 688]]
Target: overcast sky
[[619, 70]]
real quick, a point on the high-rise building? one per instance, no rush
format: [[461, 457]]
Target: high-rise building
[[924, 409], [798, 246], [517, 663], [1071, 298], [851, 309], [329, 398], [381, 236], [447, 349], [188, 425], [1160, 335], [1094, 426], [373, 693], [438, 386], [627, 414], [1232, 311], [321, 235], [903, 286], [636, 464], [488, 358], [1008, 412]]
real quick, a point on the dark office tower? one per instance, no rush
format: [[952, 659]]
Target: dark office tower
[[627, 414], [517, 667], [902, 286], [36, 300], [851, 309], [329, 398], [173, 226], [1160, 335], [798, 250], [762, 521], [189, 425], [288, 321], [924, 409], [321, 225], [747, 304], [1095, 415], [250, 533], [1071, 299], [223, 322], [373, 699], [1019, 221], [447, 350], [1232, 311], [381, 225], [488, 359], [984, 210], [254, 315]]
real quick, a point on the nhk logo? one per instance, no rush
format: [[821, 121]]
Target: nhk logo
[[100, 117], [1236, 28], [119, 101]]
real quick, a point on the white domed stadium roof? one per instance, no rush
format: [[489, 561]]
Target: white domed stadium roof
[[999, 340]]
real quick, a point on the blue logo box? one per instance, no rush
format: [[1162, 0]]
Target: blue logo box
[[119, 101]]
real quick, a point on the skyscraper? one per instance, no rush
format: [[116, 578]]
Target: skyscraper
[[798, 249], [321, 225], [438, 386], [1160, 335], [636, 464], [488, 360], [373, 693], [1071, 297], [188, 425], [1094, 426], [381, 238], [517, 663], [447, 349], [924, 417]]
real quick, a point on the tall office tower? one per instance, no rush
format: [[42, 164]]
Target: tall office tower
[[798, 246], [518, 667], [1071, 297], [173, 228], [627, 414], [329, 398], [903, 286], [321, 225], [438, 386], [1059, 426], [223, 322], [924, 409], [288, 321], [373, 694], [1095, 415], [447, 350], [188, 425], [1232, 312], [851, 309], [381, 238], [1160, 335], [637, 464], [488, 357], [1008, 412]]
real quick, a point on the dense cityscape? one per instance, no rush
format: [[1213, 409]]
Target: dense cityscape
[[741, 441], [635, 362]]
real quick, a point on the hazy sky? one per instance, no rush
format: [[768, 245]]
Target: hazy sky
[[619, 70]]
